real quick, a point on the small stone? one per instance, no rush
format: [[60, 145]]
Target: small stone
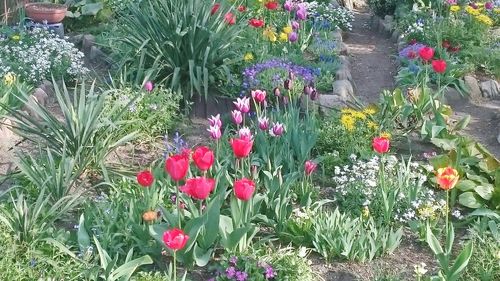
[[337, 35], [76, 39], [490, 89], [87, 42], [344, 50], [387, 28], [344, 61], [40, 96], [395, 36], [473, 87], [343, 89], [327, 103], [47, 87], [388, 18], [343, 73]]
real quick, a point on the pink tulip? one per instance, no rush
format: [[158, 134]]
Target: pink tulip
[[245, 133], [237, 117], [215, 121], [263, 123], [148, 86], [242, 104], [277, 130], [215, 132], [259, 96]]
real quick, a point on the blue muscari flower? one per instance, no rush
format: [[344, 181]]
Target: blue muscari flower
[[413, 68]]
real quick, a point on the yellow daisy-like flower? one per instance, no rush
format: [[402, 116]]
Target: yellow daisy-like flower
[[370, 110], [9, 78], [348, 122], [287, 29], [484, 19], [248, 57], [283, 37], [372, 125], [472, 11], [16, 37], [454, 8], [270, 35], [358, 115], [496, 10], [386, 135]]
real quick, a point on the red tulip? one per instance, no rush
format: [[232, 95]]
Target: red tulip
[[447, 177], [145, 178], [244, 189], [439, 66], [175, 239], [256, 23], [229, 18], [381, 144], [241, 147], [203, 158], [177, 166], [310, 167], [446, 44], [273, 5], [241, 8], [199, 187], [215, 8], [426, 53]]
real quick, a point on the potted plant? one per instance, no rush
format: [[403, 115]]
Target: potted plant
[[45, 12]]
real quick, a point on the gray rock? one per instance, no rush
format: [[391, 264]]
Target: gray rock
[[47, 87], [337, 35], [388, 18], [344, 61], [344, 50], [40, 96], [498, 137], [88, 41], [343, 73], [343, 89], [395, 36], [77, 39], [472, 87], [490, 89], [387, 29], [327, 103]]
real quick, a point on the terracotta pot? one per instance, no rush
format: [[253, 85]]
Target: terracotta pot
[[41, 12]]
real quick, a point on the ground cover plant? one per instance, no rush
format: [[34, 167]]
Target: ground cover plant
[[104, 187]]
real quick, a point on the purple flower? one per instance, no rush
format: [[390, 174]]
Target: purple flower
[[148, 86], [215, 132], [295, 25], [242, 104], [231, 272], [269, 272], [314, 94], [277, 129], [288, 6], [301, 13], [411, 51], [233, 260], [263, 123], [488, 5], [241, 276]]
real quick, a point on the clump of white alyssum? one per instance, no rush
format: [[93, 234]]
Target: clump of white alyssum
[[39, 54], [330, 16], [357, 188]]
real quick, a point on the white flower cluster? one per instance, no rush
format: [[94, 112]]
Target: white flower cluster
[[362, 177], [331, 14], [415, 28], [40, 54]]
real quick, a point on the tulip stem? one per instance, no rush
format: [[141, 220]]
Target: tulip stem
[[175, 265], [178, 203], [447, 211]]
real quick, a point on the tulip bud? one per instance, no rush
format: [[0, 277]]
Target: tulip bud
[[288, 84], [277, 92]]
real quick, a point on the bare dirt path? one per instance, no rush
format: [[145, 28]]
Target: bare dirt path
[[373, 65]]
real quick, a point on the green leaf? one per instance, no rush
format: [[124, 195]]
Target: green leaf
[[468, 200], [125, 271], [460, 263], [433, 242], [83, 236], [466, 185], [484, 213], [462, 123], [91, 9], [202, 256], [485, 191]]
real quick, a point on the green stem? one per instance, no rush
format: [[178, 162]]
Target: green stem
[[178, 203], [175, 265], [447, 211]]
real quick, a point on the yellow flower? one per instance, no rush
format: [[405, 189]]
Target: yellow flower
[[426, 212], [370, 110], [386, 135], [270, 35], [287, 29], [372, 125], [484, 19], [472, 11], [358, 115], [454, 8], [283, 37], [16, 37], [248, 57], [9, 78], [496, 10], [365, 212], [348, 122]]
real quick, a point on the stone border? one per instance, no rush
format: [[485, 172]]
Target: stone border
[[343, 88]]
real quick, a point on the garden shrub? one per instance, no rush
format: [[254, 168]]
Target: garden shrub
[[10, 89], [35, 55], [193, 47], [383, 7]]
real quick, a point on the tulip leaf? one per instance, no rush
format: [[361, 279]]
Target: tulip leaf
[[485, 191], [202, 256], [460, 263], [466, 185], [83, 236], [433, 242], [468, 200]]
